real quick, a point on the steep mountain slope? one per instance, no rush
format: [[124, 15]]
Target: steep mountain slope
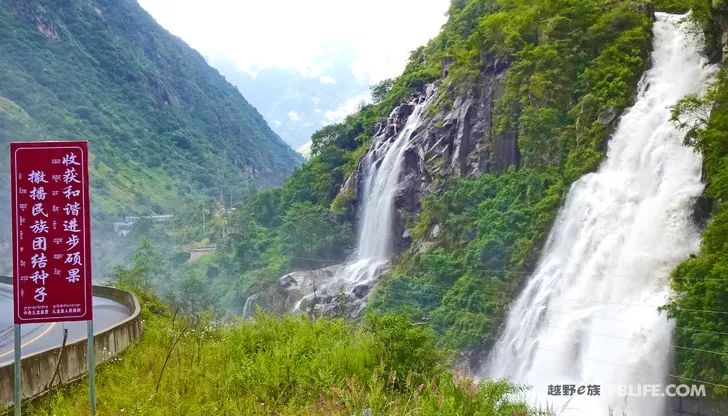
[[162, 124], [525, 95], [532, 93]]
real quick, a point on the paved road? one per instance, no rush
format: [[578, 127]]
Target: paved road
[[38, 337]]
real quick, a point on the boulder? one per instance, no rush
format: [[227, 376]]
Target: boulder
[[607, 116], [362, 290]]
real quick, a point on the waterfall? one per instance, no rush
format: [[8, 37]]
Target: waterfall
[[588, 314], [382, 168], [249, 306], [342, 290], [382, 171]]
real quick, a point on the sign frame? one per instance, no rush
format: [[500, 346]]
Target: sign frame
[[27, 153]]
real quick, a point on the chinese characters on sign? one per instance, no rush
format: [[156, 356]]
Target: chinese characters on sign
[[51, 232]]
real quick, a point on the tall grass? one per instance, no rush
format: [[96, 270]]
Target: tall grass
[[282, 366]]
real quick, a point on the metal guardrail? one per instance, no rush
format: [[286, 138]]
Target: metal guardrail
[[38, 368]]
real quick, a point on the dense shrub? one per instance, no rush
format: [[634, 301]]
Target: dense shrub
[[281, 366]]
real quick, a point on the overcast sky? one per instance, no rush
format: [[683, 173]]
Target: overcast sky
[[306, 35]]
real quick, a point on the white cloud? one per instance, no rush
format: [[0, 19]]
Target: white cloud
[[293, 116], [349, 106], [375, 36], [305, 149], [326, 79]]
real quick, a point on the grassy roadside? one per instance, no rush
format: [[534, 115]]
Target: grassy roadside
[[281, 366]]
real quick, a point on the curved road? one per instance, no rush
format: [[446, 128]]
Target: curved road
[[39, 337]]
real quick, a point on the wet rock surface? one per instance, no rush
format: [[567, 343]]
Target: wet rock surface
[[314, 293], [283, 296], [456, 139]]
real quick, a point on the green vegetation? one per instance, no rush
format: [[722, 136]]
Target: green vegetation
[[488, 228], [282, 366], [273, 232], [700, 304], [573, 67], [163, 126], [169, 134], [570, 62], [585, 59]]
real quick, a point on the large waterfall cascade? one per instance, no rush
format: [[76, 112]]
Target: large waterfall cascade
[[588, 314]]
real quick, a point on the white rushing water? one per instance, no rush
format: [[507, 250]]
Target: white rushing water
[[588, 314], [382, 168]]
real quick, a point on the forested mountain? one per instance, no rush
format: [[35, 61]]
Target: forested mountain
[[162, 124], [470, 155], [527, 94]]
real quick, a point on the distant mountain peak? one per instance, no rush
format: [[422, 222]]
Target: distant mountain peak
[[162, 124]]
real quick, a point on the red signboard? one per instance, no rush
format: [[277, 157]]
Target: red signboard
[[51, 231]]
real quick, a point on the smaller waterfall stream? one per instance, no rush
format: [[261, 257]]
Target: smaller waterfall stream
[[342, 289], [382, 169]]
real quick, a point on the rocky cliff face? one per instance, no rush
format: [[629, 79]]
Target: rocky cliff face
[[457, 139], [716, 32]]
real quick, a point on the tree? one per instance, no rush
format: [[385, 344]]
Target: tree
[[147, 264], [381, 89], [310, 235]]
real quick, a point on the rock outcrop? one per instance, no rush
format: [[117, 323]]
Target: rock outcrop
[[284, 296], [312, 293], [454, 138], [457, 139]]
